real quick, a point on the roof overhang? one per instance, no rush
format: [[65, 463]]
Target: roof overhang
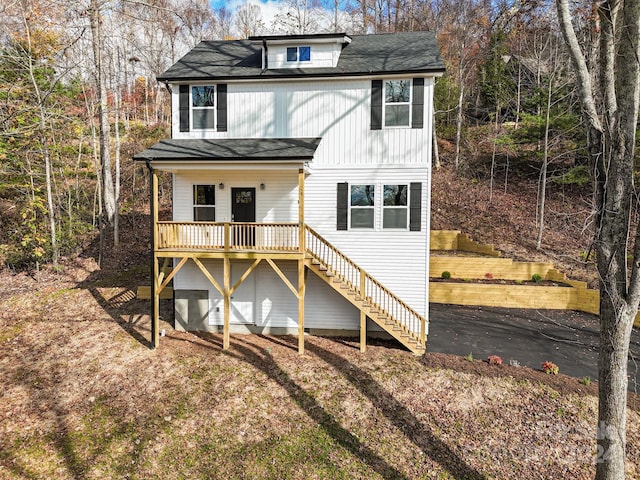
[[341, 38], [230, 153]]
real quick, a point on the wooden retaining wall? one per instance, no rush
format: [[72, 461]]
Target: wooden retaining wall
[[487, 267], [456, 240], [574, 297]]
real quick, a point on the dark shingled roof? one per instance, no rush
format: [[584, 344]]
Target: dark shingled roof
[[256, 149], [383, 54]]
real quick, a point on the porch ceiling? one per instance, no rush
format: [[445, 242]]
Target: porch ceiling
[[258, 150]]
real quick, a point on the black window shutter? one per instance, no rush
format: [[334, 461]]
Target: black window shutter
[[415, 206], [222, 107], [417, 105], [183, 101], [376, 104], [342, 206]]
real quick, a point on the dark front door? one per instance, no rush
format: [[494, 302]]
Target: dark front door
[[243, 209]]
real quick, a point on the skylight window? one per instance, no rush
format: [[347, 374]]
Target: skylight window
[[298, 54]]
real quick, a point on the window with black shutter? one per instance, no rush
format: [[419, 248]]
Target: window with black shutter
[[203, 107]]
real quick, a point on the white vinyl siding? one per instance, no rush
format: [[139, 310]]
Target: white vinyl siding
[[321, 56], [339, 111], [278, 202], [396, 257]]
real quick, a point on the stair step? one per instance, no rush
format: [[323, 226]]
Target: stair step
[[322, 268]]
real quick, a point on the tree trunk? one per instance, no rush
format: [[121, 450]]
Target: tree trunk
[[434, 140], [116, 216], [611, 151], [44, 146], [103, 114], [542, 187], [459, 124]]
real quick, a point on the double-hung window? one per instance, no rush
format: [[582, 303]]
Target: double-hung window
[[203, 112], [204, 203], [202, 107], [362, 206], [298, 54], [397, 103], [395, 206]]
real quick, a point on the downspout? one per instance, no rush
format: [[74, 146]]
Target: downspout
[[265, 58], [153, 254]]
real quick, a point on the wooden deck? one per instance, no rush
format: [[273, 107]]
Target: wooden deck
[[268, 242]]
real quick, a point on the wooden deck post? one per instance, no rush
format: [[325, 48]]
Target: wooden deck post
[[363, 316], [301, 232], [227, 302], [155, 284], [301, 290], [303, 250]]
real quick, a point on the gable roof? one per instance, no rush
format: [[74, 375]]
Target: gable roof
[[381, 54], [226, 149]]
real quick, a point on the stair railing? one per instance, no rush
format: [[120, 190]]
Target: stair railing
[[381, 298]]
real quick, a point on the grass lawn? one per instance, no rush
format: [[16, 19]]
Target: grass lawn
[[84, 397]]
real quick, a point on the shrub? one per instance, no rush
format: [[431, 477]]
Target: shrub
[[586, 381], [536, 277], [488, 276], [550, 368], [494, 360], [469, 358], [446, 275]]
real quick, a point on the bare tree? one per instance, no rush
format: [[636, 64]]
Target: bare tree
[[462, 34], [224, 23], [249, 20], [108, 190], [299, 17], [611, 128]]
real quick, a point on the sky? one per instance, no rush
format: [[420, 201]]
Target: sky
[[269, 7]]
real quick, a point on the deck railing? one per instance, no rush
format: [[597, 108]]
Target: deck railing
[[284, 237], [227, 236], [370, 289]]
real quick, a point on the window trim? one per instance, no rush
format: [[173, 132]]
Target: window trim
[[406, 207], [362, 207], [408, 104], [196, 205], [297, 51], [414, 207], [213, 108]]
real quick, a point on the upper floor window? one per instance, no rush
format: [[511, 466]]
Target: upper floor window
[[203, 112], [395, 206], [397, 103], [204, 203], [362, 206], [202, 107], [298, 54]]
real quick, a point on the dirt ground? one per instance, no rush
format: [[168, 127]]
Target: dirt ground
[[83, 396]]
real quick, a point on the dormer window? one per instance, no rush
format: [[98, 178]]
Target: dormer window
[[299, 54]]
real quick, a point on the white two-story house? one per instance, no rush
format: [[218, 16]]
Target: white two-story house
[[301, 179]]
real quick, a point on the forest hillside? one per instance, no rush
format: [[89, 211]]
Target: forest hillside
[[79, 97]]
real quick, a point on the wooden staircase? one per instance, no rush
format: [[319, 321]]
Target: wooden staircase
[[365, 293]]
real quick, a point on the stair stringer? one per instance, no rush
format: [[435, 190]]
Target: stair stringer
[[373, 311]]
